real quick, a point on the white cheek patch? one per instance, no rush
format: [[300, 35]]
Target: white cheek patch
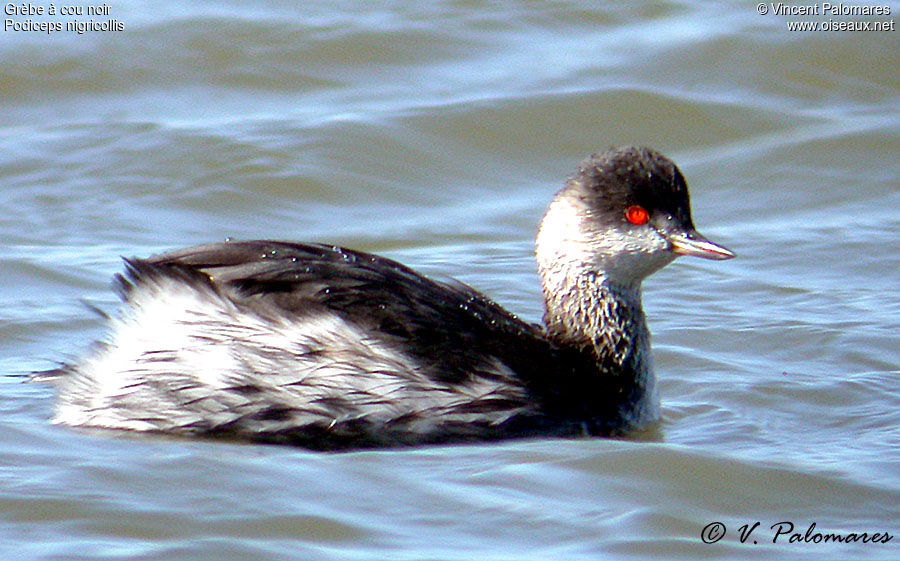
[[567, 241], [561, 235]]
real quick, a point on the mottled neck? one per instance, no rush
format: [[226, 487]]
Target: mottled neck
[[585, 311], [591, 276]]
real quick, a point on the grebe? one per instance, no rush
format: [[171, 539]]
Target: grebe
[[329, 348]]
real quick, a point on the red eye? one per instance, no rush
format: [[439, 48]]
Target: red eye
[[637, 215]]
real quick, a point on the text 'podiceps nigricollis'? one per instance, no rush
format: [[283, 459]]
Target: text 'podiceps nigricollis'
[[329, 348]]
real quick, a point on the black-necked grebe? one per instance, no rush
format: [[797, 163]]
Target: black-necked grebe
[[328, 348]]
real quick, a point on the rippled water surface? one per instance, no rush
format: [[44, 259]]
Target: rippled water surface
[[436, 135]]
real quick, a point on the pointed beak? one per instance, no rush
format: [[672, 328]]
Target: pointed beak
[[690, 242]]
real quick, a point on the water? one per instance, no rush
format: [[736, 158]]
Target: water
[[436, 136]]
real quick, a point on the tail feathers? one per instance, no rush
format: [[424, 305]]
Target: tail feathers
[[95, 308], [50, 376], [139, 272]]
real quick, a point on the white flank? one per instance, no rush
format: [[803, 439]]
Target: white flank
[[177, 347]]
